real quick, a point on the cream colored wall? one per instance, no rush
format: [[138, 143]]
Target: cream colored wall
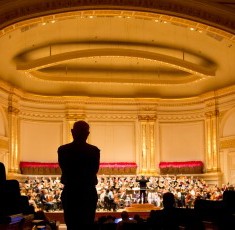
[[182, 141], [116, 140], [229, 126], [231, 166], [4, 148], [227, 150], [39, 140]]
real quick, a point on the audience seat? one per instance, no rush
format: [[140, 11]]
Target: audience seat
[[15, 208]]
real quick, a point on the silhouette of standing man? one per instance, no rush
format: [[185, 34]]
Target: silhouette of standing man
[[79, 163]]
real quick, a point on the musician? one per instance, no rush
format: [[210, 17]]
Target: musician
[[46, 200], [143, 186], [112, 204]]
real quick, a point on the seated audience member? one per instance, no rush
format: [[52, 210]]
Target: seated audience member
[[11, 200], [46, 200], [138, 218], [125, 220], [226, 218], [219, 212], [109, 219], [167, 217]]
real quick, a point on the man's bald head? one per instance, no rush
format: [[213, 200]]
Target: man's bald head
[[80, 131]]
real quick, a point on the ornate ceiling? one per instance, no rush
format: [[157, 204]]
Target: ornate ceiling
[[163, 49]]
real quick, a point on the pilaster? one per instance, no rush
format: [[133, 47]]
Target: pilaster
[[212, 152], [13, 121], [147, 164]]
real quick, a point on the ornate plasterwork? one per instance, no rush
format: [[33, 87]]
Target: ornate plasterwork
[[227, 143], [180, 117], [39, 101], [212, 113], [13, 110], [109, 117], [40, 115], [4, 144], [75, 116], [148, 118]]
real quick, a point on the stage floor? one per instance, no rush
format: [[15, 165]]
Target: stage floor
[[141, 209]]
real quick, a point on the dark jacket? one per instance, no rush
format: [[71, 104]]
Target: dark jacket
[[79, 163]]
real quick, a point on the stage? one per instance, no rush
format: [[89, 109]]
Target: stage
[[141, 209]]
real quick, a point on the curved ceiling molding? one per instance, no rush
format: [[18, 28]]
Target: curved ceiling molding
[[192, 69]]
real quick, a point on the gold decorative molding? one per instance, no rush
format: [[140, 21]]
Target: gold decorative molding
[[159, 103], [4, 143], [40, 115], [212, 113], [13, 110], [181, 117], [229, 143], [105, 117], [75, 116], [147, 117]]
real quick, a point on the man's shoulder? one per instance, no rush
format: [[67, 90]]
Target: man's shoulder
[[73, 144], [65, 146], [93, 147]]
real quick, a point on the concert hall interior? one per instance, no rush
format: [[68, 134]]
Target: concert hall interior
[[155, 80]]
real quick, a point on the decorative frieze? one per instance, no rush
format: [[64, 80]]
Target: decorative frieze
[[180, 117], [110, 117], [43, 115], [75, 116]]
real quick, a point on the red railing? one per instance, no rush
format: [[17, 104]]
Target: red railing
[[184, 167], [175, 164], [45, 168], [24, 164]]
